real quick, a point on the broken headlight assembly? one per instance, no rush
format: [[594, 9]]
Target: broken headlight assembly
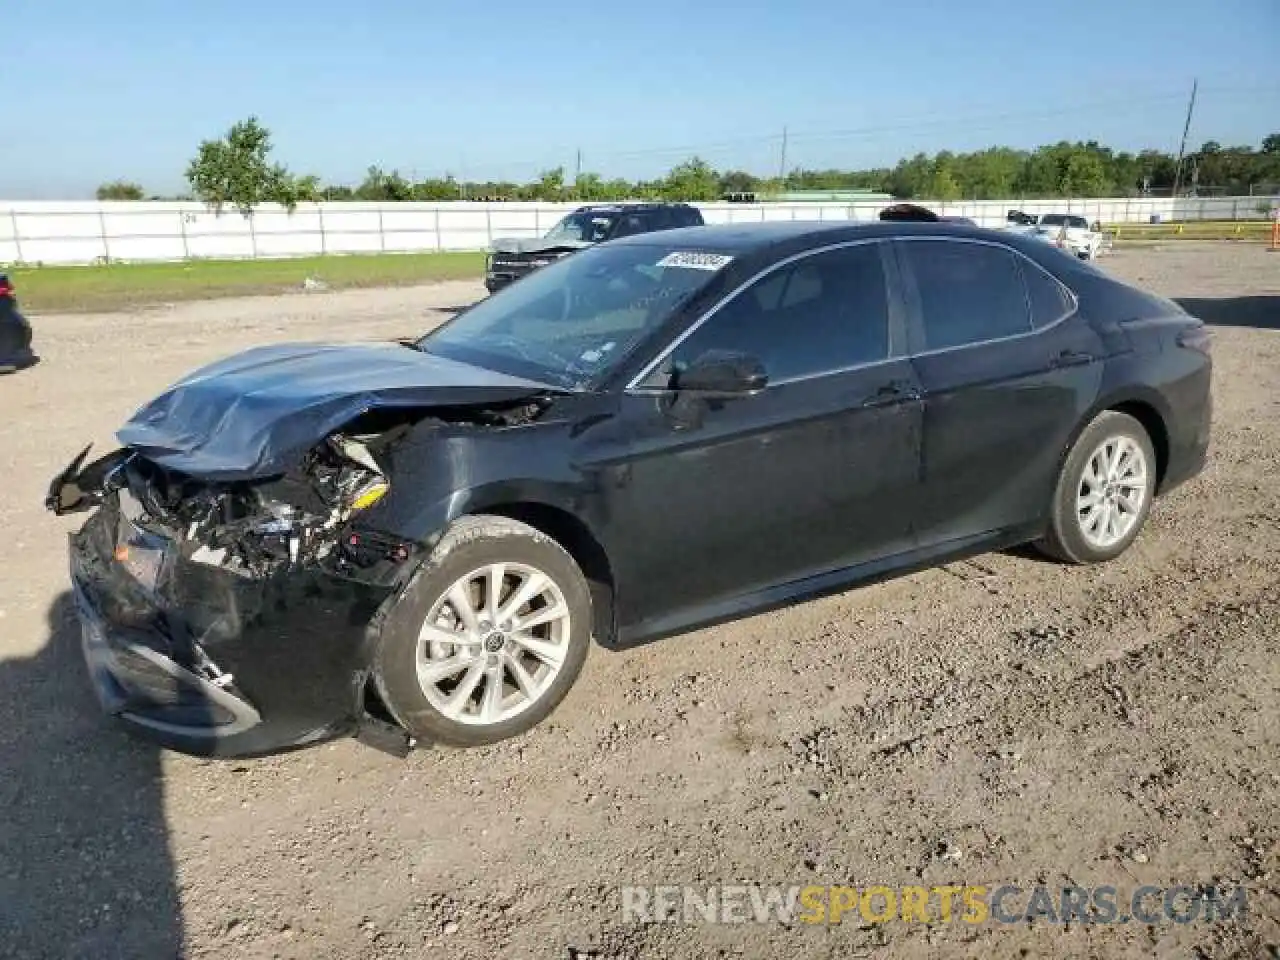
[[255, 528]]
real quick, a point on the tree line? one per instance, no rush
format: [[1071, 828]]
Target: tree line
[[236, 171]]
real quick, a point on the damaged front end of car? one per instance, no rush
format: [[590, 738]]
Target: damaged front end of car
[[243, 546], [202, 601]]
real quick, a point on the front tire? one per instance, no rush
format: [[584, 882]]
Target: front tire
[[1104, 492], [489, 636]]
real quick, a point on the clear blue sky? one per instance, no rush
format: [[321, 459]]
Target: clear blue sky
[[91, 91]]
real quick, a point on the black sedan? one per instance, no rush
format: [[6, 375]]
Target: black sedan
[[417, 542], [15, 331]]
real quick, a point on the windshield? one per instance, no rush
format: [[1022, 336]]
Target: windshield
[[571, 323], [582, 227]]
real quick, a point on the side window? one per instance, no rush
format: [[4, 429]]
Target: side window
[[1050, 300], [820, 314], [969, 292], [629, 224], [689, 217]]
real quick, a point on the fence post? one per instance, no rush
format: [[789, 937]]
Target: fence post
[[102, 229], [253, 238], [182, 231], [382, 234], [324, 246], [488, 226], [439, 239], [17, 242]]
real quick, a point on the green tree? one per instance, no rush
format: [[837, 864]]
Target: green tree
[[120, 190], [549, 186], [692, 180], [911, 178], [305, 189], [943, 186], [588, 187], [437, 189], [379, 186], [618, 189], [235, 170], [738, 181], [1083, 175]]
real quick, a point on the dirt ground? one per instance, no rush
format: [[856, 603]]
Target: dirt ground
[[1000, 721]]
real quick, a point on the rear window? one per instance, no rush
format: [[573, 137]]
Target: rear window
[[1050, 300], [969, 292], [689, 217]]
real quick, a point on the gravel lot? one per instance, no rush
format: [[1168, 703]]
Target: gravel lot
[[1003, 720]]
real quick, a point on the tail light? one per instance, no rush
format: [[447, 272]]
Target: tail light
[[6, 288], [1196, 338]]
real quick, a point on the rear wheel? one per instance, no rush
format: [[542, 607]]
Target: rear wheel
[[1104, 491], [488, 638]]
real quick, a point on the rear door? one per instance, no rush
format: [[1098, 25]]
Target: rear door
[[812, 474], [1008, 366]]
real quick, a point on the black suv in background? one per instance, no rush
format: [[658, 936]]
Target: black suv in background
[[586, 226]]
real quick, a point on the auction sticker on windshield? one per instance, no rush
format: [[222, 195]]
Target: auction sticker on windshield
[[695, 260]]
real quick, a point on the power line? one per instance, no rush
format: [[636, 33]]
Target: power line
[[928, 120], [973, 122]]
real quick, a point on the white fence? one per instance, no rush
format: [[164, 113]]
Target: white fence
[[50, 232]]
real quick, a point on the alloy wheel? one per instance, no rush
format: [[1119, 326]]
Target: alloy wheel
[[493, 644], [1113, 490]]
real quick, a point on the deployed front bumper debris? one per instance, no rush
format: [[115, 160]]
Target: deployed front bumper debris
[[228, 591], [207, 661], [230, 618]]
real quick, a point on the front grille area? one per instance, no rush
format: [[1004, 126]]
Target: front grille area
[[511, 265]]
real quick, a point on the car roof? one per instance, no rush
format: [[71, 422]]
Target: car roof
[[745, 238], [623, 207]]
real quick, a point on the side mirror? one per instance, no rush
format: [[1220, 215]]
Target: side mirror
[[722, 374]]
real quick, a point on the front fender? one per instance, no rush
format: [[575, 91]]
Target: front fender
[[426, 524]]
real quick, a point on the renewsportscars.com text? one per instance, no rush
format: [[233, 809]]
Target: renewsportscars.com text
[[974, 904]]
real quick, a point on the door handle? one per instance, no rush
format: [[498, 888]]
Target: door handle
[[892, 392], [1073, 358]]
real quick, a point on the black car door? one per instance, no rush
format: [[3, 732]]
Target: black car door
[[717, 499], [1008, 367]]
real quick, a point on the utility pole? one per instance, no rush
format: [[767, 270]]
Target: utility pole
[[577, 170], [1182, 149], [782, 160]]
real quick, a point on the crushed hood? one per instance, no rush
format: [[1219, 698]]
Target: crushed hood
[[537, 245], [252, 414]]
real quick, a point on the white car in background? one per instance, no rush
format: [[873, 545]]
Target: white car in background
[[1071, 233]]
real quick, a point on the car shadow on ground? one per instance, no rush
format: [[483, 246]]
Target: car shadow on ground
[[1261, 312], [85, 865]]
